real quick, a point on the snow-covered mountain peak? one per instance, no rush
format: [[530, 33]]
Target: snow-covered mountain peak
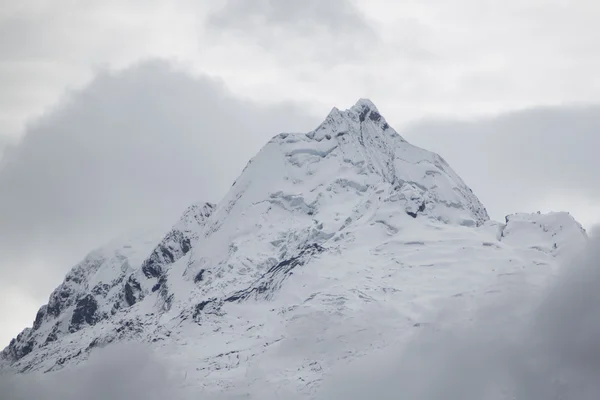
[[339, 241], [363, 104], [300, 196], [353, 121], [359, 147]]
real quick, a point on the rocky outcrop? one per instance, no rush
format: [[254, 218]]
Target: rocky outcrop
[[179, 240]]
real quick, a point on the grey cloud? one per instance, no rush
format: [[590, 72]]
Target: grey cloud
[[519, 161], [119, 372], [125, 371], [5, 142], [336, 16], [507, 352], [46, 48], [132, 148], [326, 31], [76, 30]]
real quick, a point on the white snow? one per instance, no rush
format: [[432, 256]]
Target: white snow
[[330, 245]]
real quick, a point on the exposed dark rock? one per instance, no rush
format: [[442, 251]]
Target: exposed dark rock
[[63, 360], [53, 335], [174, 245], [271, 280], [129, 328], [84, 313], [241, 295], [421, 209], [164, 294], [167, 254], [363, 114], [60, 299], [101, 289], [168, 301], [93, 343], [186, 245], [115, 308], [211, 306], [39, 318], [199, 307], [151, 269], [53, 309], [27, 348], [75, 276], [161, 285], [129, 297], [73, 294], [199, 276], [19, 347], [374, 116], [131, 288]]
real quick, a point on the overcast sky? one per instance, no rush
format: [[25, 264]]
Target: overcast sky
[[117, 113]]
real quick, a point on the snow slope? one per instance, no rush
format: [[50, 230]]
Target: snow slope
[[329, 245]]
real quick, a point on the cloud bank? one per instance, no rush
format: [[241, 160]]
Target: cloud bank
[[134, 148], [119, 372], [517, 346], [506, 352], [289, 29]]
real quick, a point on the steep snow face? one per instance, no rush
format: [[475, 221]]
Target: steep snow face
[[107, 282], [356, 150], [309, 189], [86, 296], [329, 245]]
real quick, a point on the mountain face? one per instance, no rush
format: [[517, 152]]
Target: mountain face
[[330, 245], [107, 282]]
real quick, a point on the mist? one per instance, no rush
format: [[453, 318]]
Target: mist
[[521, 346], [119, 372]]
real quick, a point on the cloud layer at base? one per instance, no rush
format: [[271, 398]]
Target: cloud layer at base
[[520, 346], [120, 372]]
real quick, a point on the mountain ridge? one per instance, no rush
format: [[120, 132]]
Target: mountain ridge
[[286, 244]]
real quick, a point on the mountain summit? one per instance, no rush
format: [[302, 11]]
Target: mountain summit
[[330, 244]]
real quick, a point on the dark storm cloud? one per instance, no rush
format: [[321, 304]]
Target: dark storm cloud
[[550, 353], [518, 161], [131, 148]]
